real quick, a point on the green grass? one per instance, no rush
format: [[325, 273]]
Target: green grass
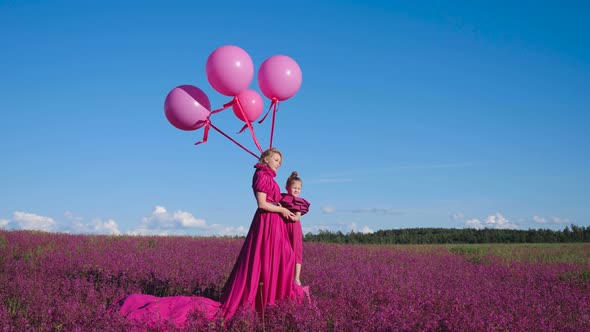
[[576, 253]]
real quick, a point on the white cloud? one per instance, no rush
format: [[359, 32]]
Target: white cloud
[[146, 231], [213, 230], [559, 220], [497, 221], [474, 223], [31, 221], [160, 218], [106, 227], [458, 216], [96, 226], [159, 210], [366, 230], [159, 222], [72, 224], [500, 222], [327, 209], [222, 230], [315, 228], [70, 216], [187, 220], [552, 220], [162, 222], [76, 225]]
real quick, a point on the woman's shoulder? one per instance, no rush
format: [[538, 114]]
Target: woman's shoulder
[[264, 169], [263, 179]]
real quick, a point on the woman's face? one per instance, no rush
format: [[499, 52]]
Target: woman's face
[[294, 189], [273, 161]]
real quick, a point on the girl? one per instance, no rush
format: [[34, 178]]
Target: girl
[[299, 206]]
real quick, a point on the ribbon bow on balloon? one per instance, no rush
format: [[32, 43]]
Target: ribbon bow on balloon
[[274, 106]]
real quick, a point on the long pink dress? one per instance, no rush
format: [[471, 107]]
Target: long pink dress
[[262, 274], [294, 230], [266, 259]]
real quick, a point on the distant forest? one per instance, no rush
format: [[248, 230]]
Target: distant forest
[[570, 233]]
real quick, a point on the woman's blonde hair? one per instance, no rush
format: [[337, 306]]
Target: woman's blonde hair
[[269, 153]]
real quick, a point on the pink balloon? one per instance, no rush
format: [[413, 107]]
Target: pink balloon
[[229, 70], [252, 105], [279, 77], [187, 107]]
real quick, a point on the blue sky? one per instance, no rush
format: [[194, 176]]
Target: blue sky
[[410, 114]]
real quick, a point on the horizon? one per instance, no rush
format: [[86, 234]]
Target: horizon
[[568, 227]]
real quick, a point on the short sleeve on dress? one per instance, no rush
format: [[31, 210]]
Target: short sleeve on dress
[[262, 182]]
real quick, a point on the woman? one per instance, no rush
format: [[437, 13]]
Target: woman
[[263, 272]]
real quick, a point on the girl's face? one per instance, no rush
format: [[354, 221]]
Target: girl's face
[[273, 161], [295, 188]]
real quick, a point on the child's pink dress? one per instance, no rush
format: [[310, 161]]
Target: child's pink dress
[[295, 233]]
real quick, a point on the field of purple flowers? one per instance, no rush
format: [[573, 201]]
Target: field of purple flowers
[[60, 282]]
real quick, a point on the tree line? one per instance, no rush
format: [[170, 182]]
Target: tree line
[[570, 233]]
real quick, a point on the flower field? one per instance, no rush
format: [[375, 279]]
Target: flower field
[[61, 282]]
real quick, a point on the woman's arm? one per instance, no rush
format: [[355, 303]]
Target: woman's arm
[[296, 217], [263, 204]]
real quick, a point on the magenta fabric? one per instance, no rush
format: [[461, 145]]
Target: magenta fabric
[[295, 234], [262, 275], [266, 256], [294, 231], [295, 204], [156, 312]]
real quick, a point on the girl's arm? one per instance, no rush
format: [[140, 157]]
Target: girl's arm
[[263, 204]]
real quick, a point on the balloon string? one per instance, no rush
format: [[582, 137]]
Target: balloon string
[[225, 106], [243, 128], [274, 113], [231, 139], [208, 125], [265, 115], [248, 123]]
